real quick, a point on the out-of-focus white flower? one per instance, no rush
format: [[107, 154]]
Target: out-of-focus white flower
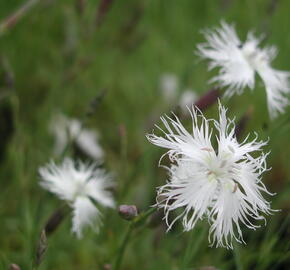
[[239, 62], [66, 129], [78, 184], [187, 99], [168, 87], [223, 184]]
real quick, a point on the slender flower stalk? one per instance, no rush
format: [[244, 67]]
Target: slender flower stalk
[[193, 246], [134, 223], [79, 184], [223, 184], [240, 61], [12, 19]]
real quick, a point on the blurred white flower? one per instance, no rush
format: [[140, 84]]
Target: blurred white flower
[[238, 63], [223, 184], [169, 87], [78, 184], [65, 129], [187, 99]]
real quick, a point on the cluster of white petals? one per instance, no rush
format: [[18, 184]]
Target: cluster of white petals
[[187, 99], [66, 130], [169, 86], [239, 62], [79, 184], [222, 184]]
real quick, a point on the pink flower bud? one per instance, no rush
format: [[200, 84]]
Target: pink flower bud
[[128, 212]]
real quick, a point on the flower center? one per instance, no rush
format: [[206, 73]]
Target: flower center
[[80, 188], [220, 168], [253, 55], [222, 172]]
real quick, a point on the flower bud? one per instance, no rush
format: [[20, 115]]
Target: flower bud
[[208, 99], [14, 266], [107, 266], [128, 212], [55, 220], [103, 9], [208, 268], [41, 248]]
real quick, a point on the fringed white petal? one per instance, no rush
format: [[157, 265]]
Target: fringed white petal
[[188, 189], [180, 142], [224, 186], [277, 86], [78, 183], [66, 129], [58, 179], [227, 142], [84, 214], [99, 188], [222, 49], [228, 211], [238, 62]]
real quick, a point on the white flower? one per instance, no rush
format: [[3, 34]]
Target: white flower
[[168, 87], [78, 184], [239, 62], [187, 99], [65, 129], [223, 184]]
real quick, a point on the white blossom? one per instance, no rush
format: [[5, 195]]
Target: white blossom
[[65, 130], [187, 99], [79, 184], [239, 61], [169, 87], [222, 184]]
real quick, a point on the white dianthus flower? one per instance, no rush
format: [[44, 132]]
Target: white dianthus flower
[[239, 62], [66, 129], [222, 184], [169, 87], [79, 184], [187, 99]]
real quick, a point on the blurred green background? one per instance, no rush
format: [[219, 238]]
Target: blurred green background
[[59, 57]]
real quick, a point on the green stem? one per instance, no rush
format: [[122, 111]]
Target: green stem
[[122, 248], [193, 246], [138, 221], [12, 19], [237, 257]]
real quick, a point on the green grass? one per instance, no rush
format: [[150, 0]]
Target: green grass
[[61, 62]]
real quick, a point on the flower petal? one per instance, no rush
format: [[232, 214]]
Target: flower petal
[[277, 86], [223, 50], [84, 214]]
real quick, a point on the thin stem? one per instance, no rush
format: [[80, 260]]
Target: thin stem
[[12, 19], [122, 248], [237, 257], [138, 221], [193, 246]]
